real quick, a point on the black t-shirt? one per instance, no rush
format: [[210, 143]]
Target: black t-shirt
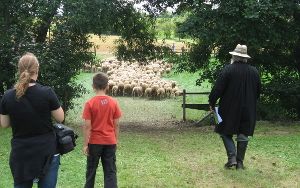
[[25, 121]]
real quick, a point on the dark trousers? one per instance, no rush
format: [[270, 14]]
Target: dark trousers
[[107, 154], [233, 153]]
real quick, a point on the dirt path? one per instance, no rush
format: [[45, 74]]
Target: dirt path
[[161, 126]]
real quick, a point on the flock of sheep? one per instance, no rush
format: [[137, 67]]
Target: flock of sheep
[[137, 79]]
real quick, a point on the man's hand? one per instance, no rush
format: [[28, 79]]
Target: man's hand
[[85, 150], [211, 109]]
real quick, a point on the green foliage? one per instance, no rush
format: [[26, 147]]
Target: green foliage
[[61, 54], [280, 96], [165, 26], [270, 29], [138, 38], [57, 32], [140, 32]]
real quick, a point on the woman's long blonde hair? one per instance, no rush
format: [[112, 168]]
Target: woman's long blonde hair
[[28, 66]]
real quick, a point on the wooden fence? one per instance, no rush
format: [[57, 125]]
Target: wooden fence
[[202, 106]]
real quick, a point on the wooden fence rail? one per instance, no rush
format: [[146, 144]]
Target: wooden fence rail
[[204, 107]]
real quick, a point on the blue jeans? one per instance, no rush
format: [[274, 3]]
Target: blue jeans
[[49, 180]]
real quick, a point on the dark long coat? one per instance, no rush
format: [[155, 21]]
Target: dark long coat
[[238, 88]]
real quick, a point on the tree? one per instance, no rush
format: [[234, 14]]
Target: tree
[[57, 32], [165, 25], [270, 29]]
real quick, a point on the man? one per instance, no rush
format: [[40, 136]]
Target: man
[[238, 88]]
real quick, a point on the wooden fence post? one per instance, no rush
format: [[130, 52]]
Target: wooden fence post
[[183, 104], [95, 51]]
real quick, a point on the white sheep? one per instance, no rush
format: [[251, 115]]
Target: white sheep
[[148, 92], [137, 91], [161, 92], [114, 91], [127, 90], [120, 88]]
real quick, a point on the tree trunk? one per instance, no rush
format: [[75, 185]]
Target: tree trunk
[[47, 18]]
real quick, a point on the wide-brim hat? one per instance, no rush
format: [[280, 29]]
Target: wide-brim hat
[[241, 51]]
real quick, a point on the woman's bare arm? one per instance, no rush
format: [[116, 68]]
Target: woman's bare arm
[[4, 121], [58, 114]]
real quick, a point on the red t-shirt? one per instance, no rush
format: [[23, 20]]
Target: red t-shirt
[[102, 110]]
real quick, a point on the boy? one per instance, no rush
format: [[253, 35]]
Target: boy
[[101, 114]]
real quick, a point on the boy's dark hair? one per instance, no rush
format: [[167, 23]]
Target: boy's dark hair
[[100, 81]]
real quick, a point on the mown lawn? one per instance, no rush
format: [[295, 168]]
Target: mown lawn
[[156, 149]]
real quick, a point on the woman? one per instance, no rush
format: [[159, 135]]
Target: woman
[[28, 109]]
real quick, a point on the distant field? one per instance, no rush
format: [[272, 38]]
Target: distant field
[[105, 44]]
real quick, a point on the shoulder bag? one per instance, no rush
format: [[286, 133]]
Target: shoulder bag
[[65, 136]]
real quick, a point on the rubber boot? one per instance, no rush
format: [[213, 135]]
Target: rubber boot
[[230, 150], [241, 150]]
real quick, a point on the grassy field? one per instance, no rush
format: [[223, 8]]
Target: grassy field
[[147, 110], [157, 149]]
